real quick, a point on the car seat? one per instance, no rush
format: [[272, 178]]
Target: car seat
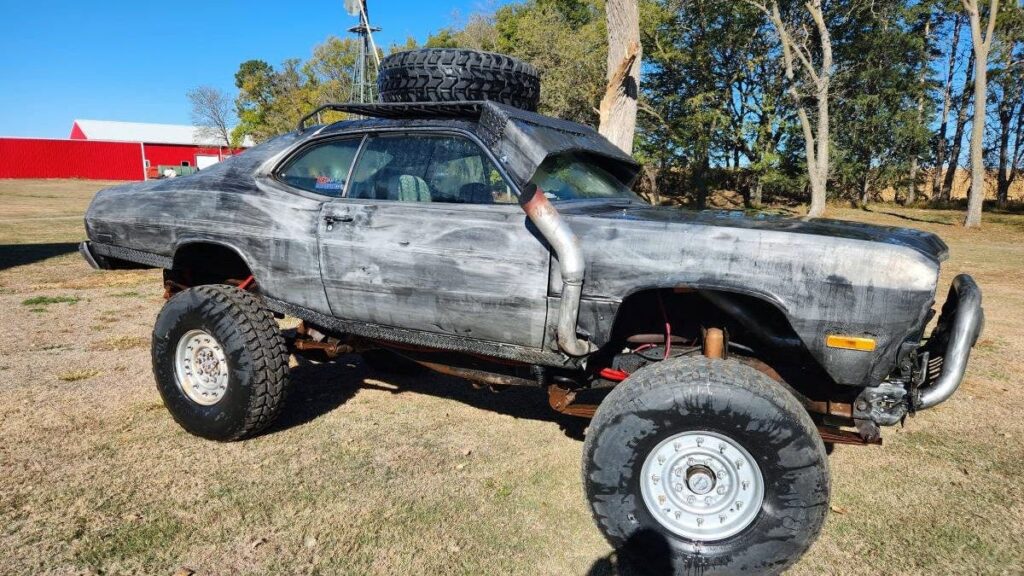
[[409, 188]]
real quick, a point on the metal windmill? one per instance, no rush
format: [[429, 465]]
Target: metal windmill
[[365, 89]]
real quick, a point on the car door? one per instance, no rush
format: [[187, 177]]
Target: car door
[[430, 238]]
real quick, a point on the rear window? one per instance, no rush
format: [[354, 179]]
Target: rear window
[[322, 169]]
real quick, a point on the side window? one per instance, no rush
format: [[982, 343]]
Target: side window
[[323, 168], [427, 168]]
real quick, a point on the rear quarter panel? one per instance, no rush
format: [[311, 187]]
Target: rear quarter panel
[[230, 204]]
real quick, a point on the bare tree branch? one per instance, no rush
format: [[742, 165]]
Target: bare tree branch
[[212, 113]]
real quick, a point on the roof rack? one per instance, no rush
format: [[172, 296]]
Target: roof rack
[[464, 109]]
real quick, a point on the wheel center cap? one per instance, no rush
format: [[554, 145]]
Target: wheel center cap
[[700, 480]]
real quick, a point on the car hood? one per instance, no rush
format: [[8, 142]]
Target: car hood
[[925, 243]]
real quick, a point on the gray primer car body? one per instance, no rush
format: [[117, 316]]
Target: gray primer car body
[[498, 292]]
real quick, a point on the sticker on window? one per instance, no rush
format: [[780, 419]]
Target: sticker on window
[[327, 183]]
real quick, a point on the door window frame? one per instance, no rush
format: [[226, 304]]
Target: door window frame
[[364, 137]]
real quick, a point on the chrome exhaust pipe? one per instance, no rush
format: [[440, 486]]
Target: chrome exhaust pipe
[[961, 322], [560, 236]]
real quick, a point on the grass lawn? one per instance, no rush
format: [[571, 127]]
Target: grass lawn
[[372, 474]]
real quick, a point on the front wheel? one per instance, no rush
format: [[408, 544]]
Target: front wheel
[[697, 465]]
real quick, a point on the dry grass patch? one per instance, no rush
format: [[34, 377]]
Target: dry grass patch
[[121, 343], [76, 375]]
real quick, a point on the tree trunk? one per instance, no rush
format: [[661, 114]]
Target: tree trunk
[[1009, 106], [958, 136], [817, 134], [619, 105], [650, 184], [1003, 177], [912, 187], [981, 42], [819, 190], [756, 197], [700, 180], [865, 189], [947, 97]]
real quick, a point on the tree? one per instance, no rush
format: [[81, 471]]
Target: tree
[[879, 131], [1008, 96], [212, 113], [963, 107], [270, 101], [911, 196], [941, 142], [619, 105], [981, 42], [255, 82], [567, 43], [816, 74]]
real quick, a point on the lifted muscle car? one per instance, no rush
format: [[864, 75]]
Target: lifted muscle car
[[505, 247]]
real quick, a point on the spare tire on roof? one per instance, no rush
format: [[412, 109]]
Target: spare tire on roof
[[454, 75]]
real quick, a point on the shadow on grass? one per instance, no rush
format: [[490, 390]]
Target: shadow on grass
[[317, 389], [12, 255], [646, 544], [906, 217]]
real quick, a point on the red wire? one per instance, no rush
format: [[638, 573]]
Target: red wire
[[613, 374], [245, 284]]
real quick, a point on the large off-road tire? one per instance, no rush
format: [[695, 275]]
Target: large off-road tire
[[698, 466], [220, 362], [449, 75]]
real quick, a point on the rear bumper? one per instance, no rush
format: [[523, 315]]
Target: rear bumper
[[959, 326]]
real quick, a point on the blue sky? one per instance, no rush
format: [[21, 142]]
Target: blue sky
[[133, 61]]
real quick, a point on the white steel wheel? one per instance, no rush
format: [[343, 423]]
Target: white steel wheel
[[201, 367], [702, 486]]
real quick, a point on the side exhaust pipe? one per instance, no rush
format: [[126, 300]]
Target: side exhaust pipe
[[959, 326], [570, 261]]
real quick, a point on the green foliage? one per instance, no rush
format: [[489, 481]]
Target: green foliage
[[877, 128], [47, 300], [567, 42], [715, 108], [272, 100]]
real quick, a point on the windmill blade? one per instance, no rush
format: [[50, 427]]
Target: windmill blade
[[353, 7]]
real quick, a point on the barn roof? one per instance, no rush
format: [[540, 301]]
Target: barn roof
[[148, 133]]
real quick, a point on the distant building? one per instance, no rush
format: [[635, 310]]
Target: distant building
[[162, 144], [109, 150]]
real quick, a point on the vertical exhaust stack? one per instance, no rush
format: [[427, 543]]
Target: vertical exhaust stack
[[571, 264]]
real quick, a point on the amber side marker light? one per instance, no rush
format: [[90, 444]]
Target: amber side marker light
[[850, 342]]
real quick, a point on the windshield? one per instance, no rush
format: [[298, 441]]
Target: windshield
[[575, 176]]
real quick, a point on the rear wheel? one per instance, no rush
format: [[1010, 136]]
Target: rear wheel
[[698, 465], [220, 362]]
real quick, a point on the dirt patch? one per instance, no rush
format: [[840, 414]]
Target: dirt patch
[[372, 474]]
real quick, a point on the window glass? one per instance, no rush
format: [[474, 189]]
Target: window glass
[[574, 176], [428, 168], [322, 169]]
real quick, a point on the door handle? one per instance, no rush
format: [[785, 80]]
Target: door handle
[[331, 220]]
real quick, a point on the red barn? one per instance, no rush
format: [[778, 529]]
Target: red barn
[[162, 144], [106, 150]]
